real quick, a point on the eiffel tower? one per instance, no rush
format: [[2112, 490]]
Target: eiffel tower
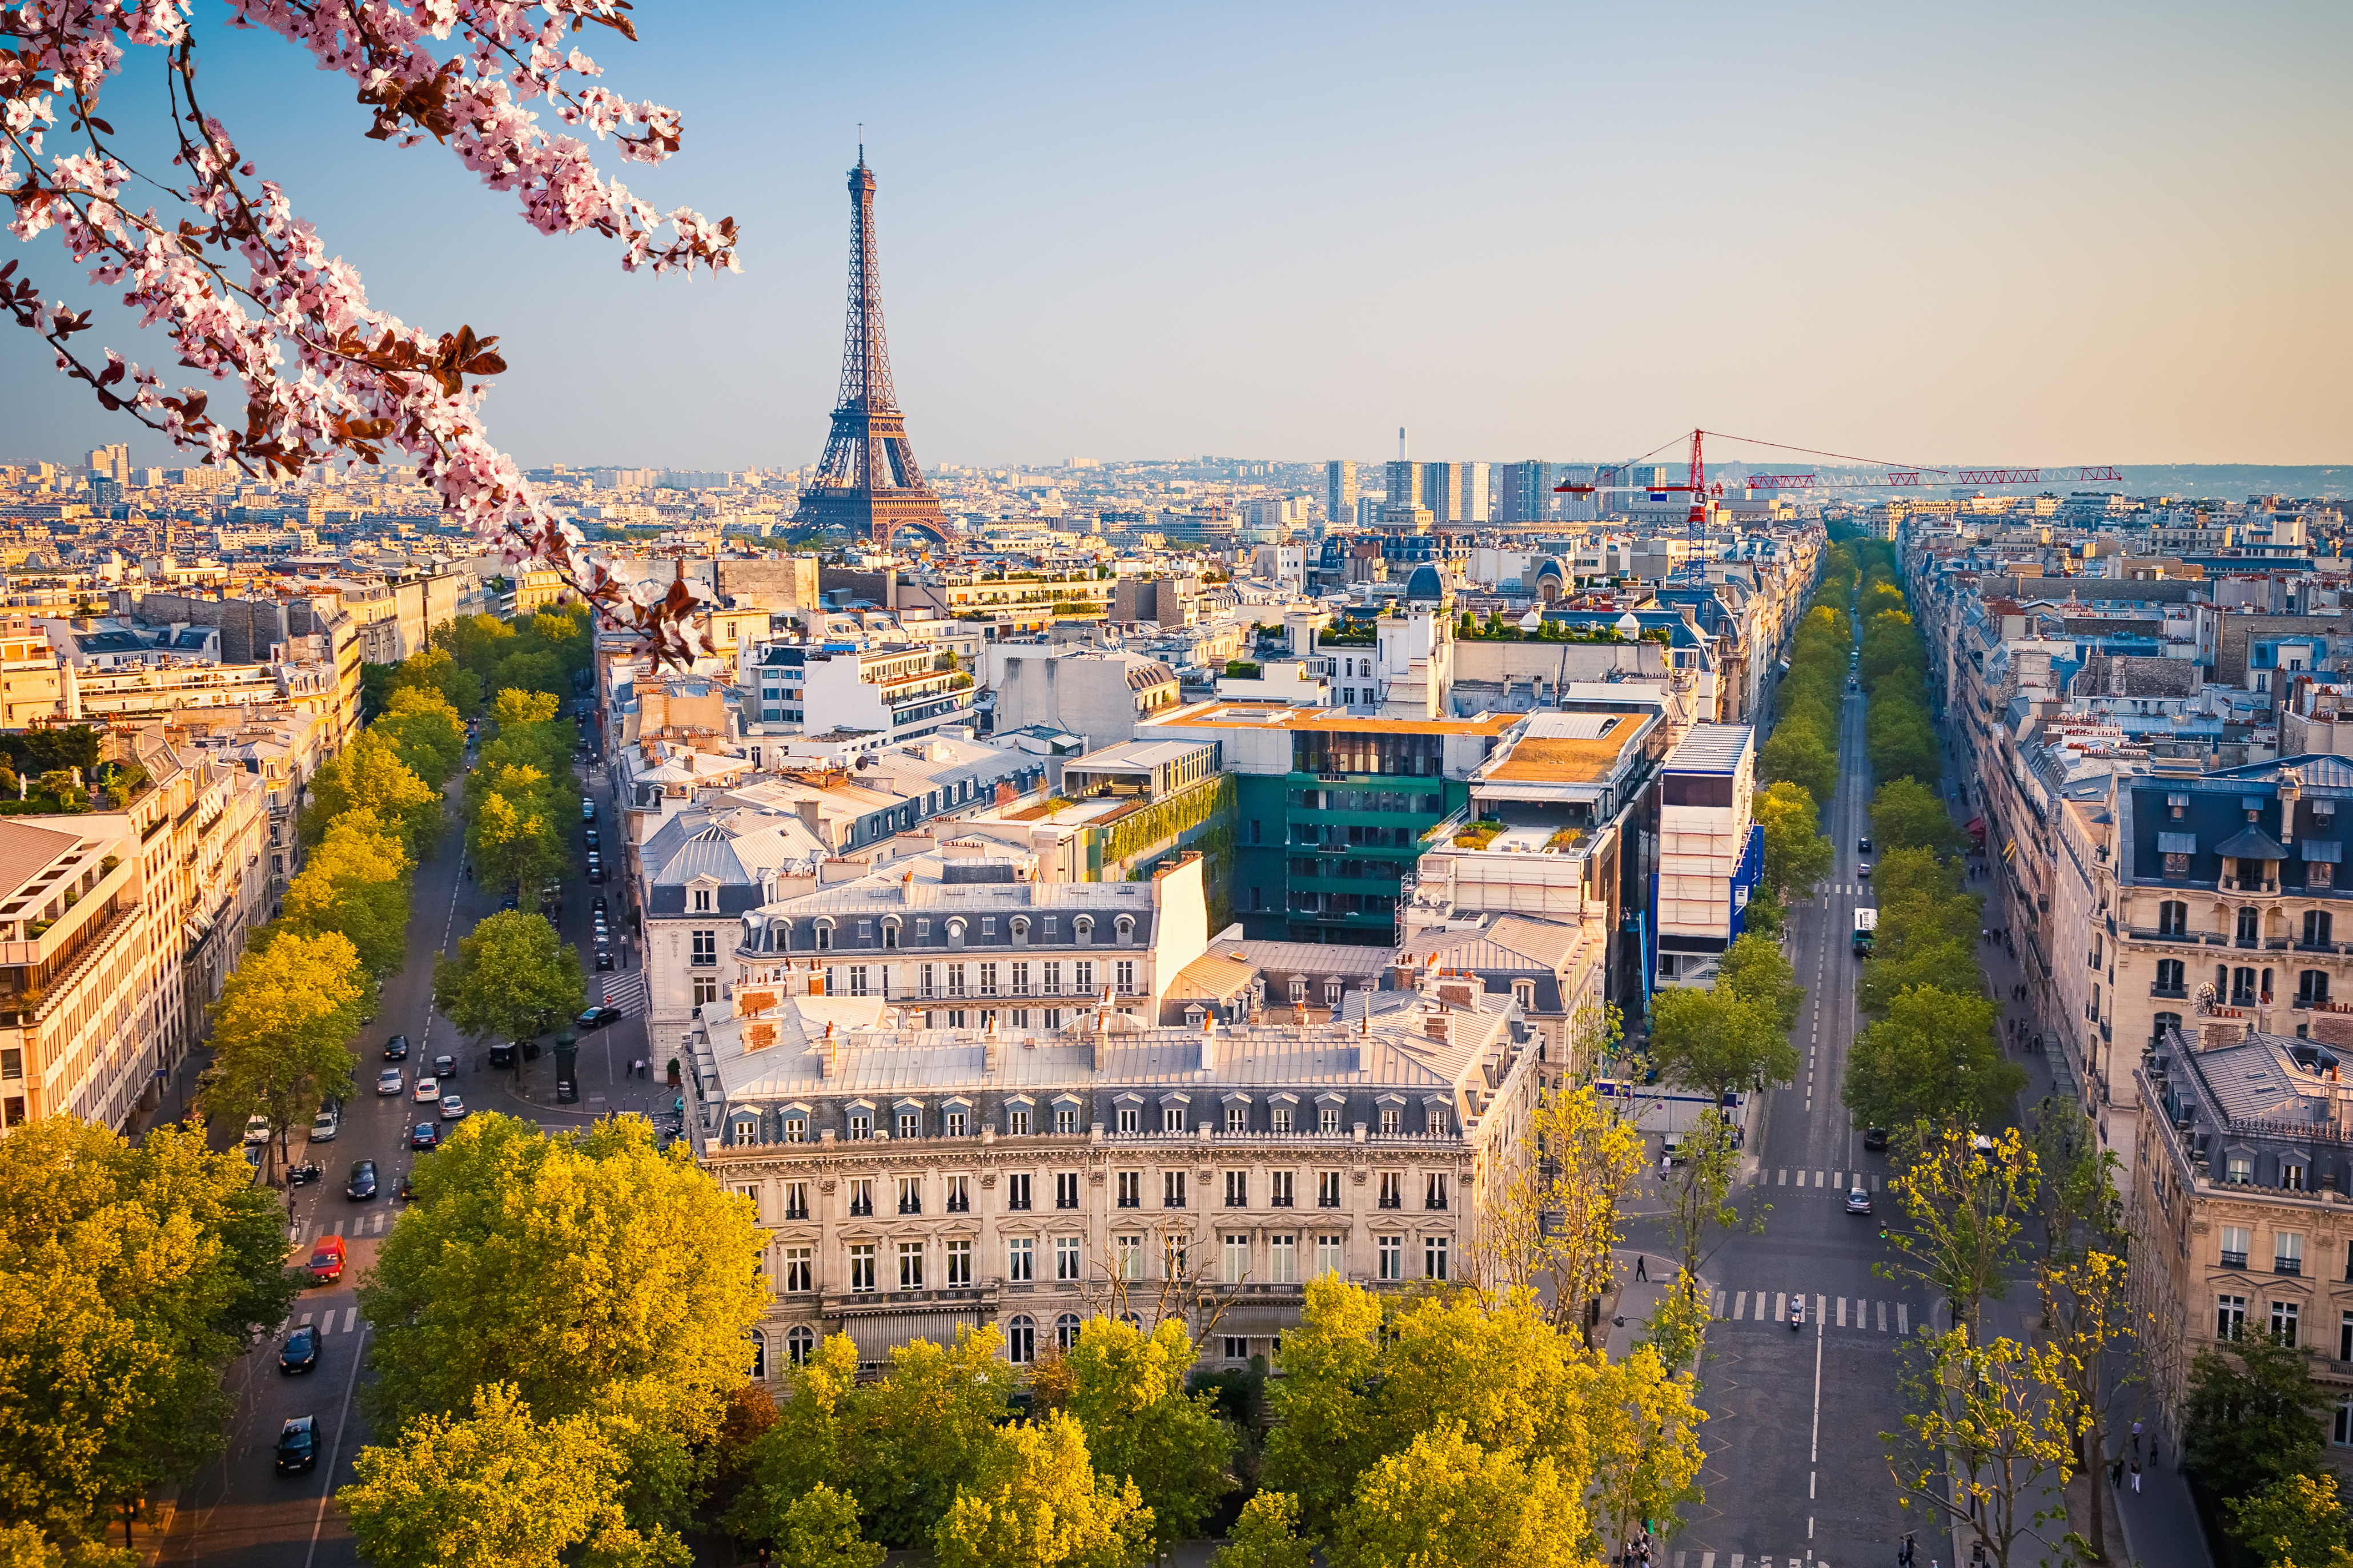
[[867, 479]]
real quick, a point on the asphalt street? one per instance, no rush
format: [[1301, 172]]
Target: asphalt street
[[1796, 1472], [239, 1511]]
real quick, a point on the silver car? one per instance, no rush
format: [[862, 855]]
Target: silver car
[[388, 1081]]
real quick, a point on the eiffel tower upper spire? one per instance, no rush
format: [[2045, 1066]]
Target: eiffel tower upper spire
[[869, 477]]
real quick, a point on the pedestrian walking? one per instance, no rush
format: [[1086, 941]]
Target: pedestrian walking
[[2135, 1438], [1640, 1264], [2136, 1475], [2116, 1471]]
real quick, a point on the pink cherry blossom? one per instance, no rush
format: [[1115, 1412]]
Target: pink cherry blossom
[[324, 373]]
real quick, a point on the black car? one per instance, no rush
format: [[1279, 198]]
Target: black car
[[502, 1054], [604, 959], [598, 903], [508, 902], [445, 1067], [395, 1050], [362, 1186], [426, 1136], [596, 870], [298, 1445], [597, 1017], [301, 1351], [1875, 1139], [588, 836], [1863, 844]]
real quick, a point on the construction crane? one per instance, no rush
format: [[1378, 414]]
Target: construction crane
[[1893, 476]]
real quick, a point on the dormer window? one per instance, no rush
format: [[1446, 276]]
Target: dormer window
[[702, 901]]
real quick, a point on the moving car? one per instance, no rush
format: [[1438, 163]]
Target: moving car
[[1864, 870], [301, 1351], [453, 1108], [588, 809], [597, 1017], [395, 1050], [429, 1090], [1875, 1139], [426, 1136], [327, 1259], [445, 1067], [1858, 1201], [389, 1081], [298, 1445], [598, 903], [325, 1125], [257, 1129], [588, 836], [361, 1185], [1863, 844], [604, 958]]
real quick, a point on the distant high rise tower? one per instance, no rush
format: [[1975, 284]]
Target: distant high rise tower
[[1339, 493], [1455, 493], [1527, 491], [1405, 483], [868, 478]]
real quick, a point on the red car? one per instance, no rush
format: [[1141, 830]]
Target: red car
[[327, 1259]]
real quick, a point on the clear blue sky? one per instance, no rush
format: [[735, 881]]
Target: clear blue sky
[[1983, 233]]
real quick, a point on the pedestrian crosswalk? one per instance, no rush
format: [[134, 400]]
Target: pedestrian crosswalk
[[626, 991], [350, 1317], [374, 1223], [1842, 1180], [1833, 1312], [1745, 1560], [1853, 888]]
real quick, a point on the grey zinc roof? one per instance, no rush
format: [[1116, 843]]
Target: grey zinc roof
[[2257, 1080], [1711, 749]]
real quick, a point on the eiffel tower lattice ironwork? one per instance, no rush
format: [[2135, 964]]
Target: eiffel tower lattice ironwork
[[868, 480]]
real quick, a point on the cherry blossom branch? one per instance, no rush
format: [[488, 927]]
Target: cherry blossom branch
[[361, 381]]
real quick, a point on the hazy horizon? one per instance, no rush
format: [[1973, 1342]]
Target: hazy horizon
[[2014, 235]]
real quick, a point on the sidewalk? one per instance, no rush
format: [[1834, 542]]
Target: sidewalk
[[2160, 1521]]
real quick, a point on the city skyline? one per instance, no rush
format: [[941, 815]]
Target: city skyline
[[1585, 265]]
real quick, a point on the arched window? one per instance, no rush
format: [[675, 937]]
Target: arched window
[[891, 930], [1123, 929], [1021, 928], [2172, 919], [2250, 926], [2160, 1024], [955, 933], [1083, 929], [759, 1353], [823, 930], [1066, 1331], [1132, 1320], [1020, 1341], [799, 1345]]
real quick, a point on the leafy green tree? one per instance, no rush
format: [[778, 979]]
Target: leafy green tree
[[370, 776], [1267, 1535], [1326, 1437], [925, 1431], [356, 883], [512, 835], [25, 1546], [496, 1487], [1797, 754], [2251, 1416], [513, 978], [1908, 814], [1796, 856], [1035, 1502], [281, 1026], [1128, 1395], [1754, 970], [807, 1443], [1447, 1502], [434, 670], [596, 1273], [1718, 1040], [821, 1531], [1934, 1059], [425, 731], [1966, 1196], [2296, 1521], [476, 642], [1643, 1419], [130, 1276]]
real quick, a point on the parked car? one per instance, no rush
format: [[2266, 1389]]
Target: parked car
[[389, 1081], [257, 1129], [1858, 1201], [395, 1050], [1875, 1139], [596, 870], [508, 902], [429, 1090], [298, 1445], [589, 837], [502, 1054], [325, 1125], [588, 809], [598, 903], [326, 1260], [301, 1351], [426, 1136], [453, 1108], [597, 1017], [362, 1183]]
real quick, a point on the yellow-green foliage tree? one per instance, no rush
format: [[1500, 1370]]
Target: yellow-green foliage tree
[[426, 731], [130, 1276], [1128, 1395], [1035, 1502], [281, 1028], [370, 776], [1448, 1502], [355, 882]]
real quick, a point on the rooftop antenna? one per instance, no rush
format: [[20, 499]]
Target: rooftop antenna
[[1400, 443], [861, 143]]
